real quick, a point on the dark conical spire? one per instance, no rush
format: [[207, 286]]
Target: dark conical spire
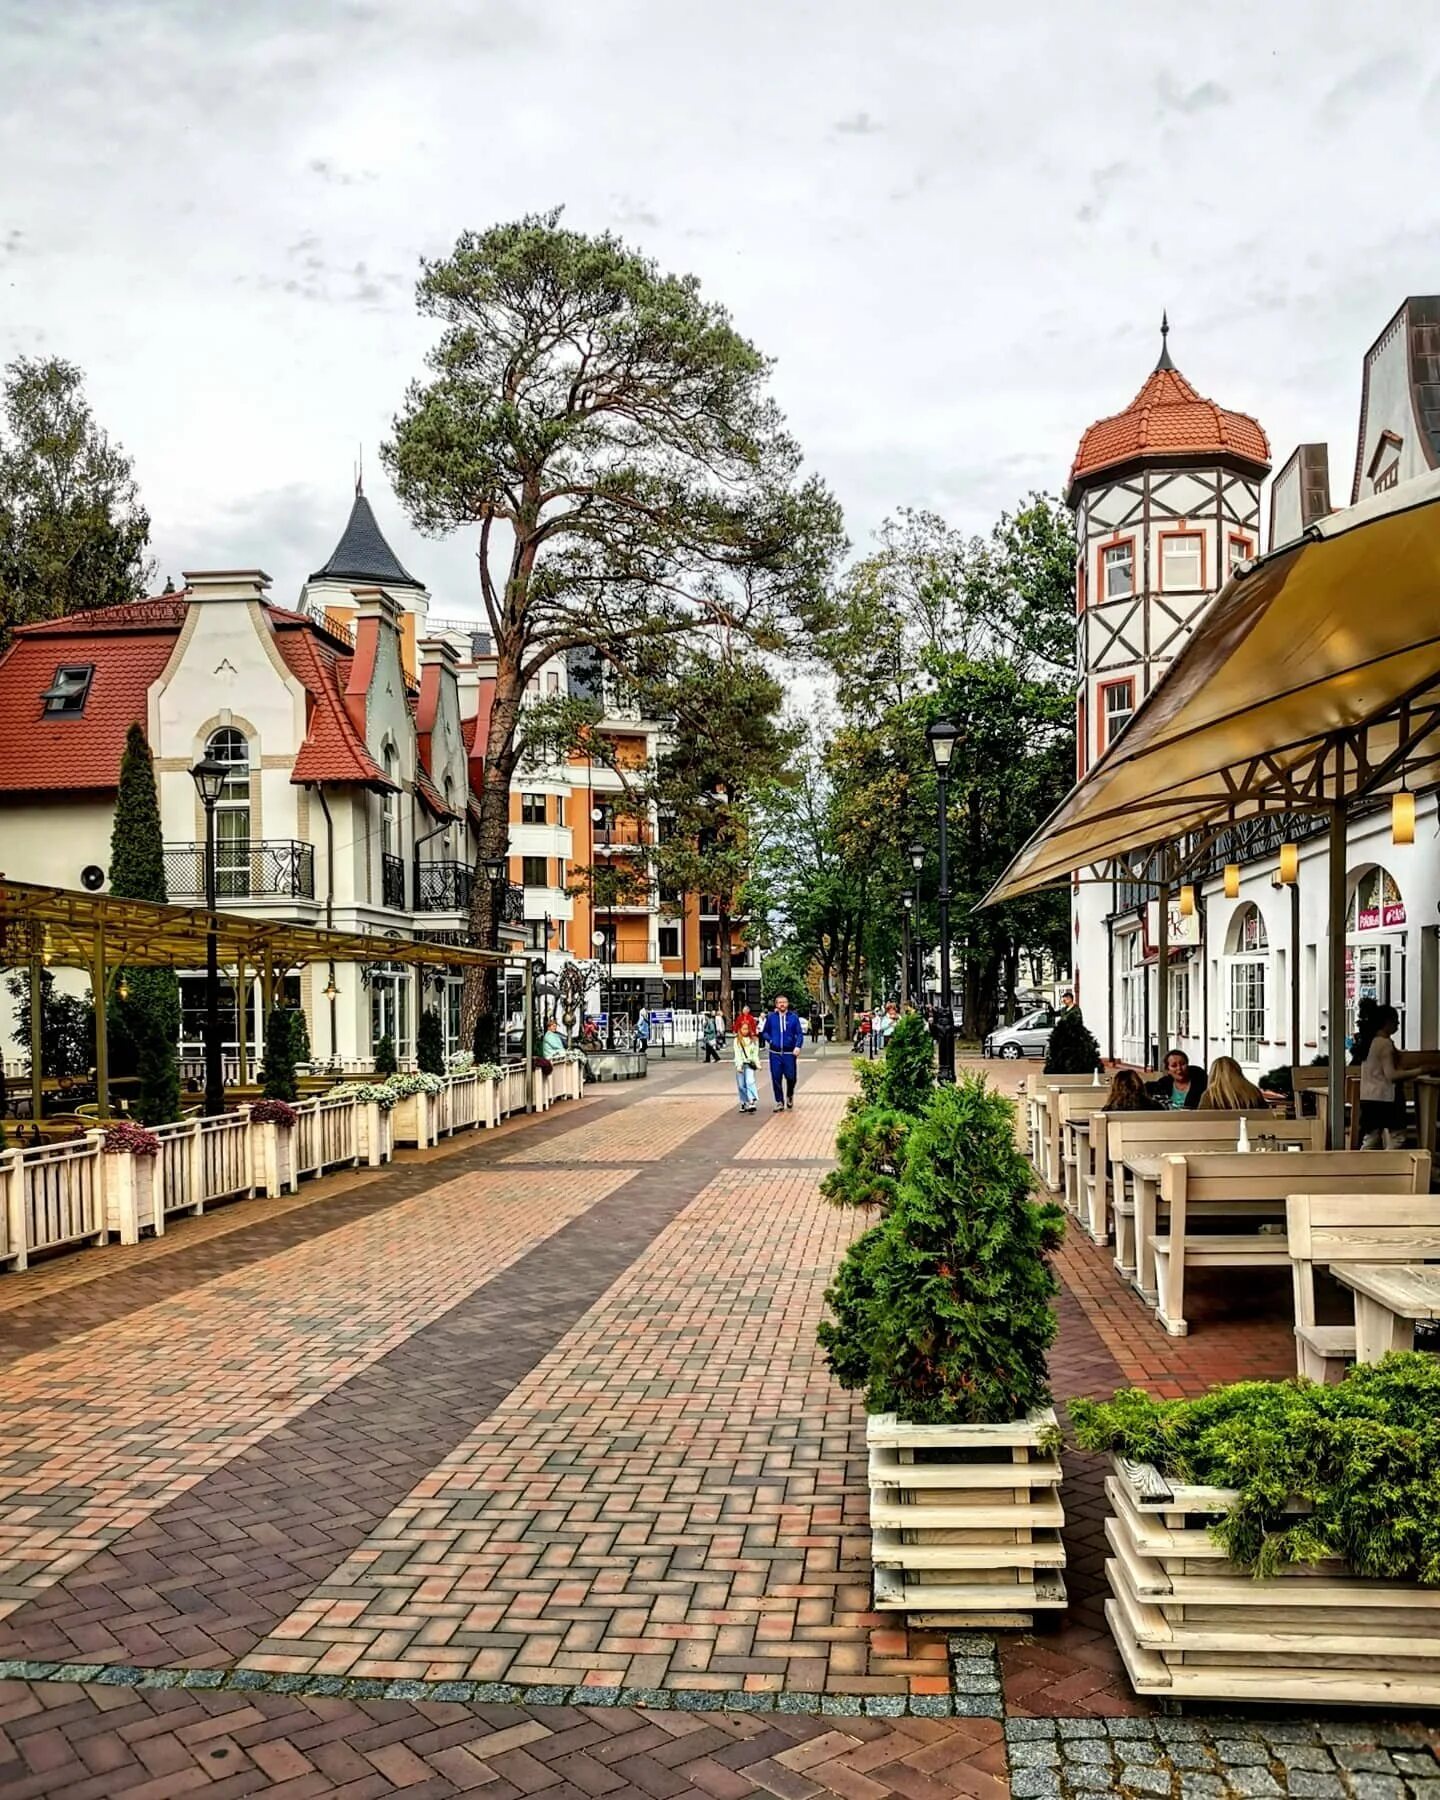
[[1164, 362], [362, 557]]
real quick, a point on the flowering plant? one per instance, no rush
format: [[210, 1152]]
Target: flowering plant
[[417, 1083], [273, 1112], [378, 1092], [461, 1063], [122, 1137], [488, 1071]]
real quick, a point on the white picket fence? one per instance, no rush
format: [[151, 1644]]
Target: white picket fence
[[73, 1192]]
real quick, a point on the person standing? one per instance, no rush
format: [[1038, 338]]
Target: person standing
[[784, 1036], [709, 1035], [642, 1033], [885, 1025], [747, 1058]]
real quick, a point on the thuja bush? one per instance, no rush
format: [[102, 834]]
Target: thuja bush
[[943, 1313], [430, 1044], [1362, 1456], [870, 1144], [386, 1062], [278, 1077], [1073, 1050]]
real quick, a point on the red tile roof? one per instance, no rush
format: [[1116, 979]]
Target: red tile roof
[[333, 749], [128, 647], [431, 797], [1167, 418]]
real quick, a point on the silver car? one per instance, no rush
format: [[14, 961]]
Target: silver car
[[1028, 1036]]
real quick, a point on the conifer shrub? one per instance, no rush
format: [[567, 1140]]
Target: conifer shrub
[[143, 1013], [278, 1078], [386, 1062], [943, 1312], [430, 1044], [1073, 1050], [870, 1144], [1363, 1455]]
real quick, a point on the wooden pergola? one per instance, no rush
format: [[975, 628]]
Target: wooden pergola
[[47, 927]]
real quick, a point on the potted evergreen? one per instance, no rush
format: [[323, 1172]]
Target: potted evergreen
[[143, 1013], [870, 1144], [943, 1315], [1072, 1049], [1301, 1520]]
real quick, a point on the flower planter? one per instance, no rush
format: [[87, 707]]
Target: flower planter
[[131, 1193], [273, 1157], [375, 1136], [542, 1091], [1191, 1624], [965, 1520], [415, 1120]]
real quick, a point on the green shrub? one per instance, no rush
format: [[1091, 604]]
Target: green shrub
[[943, 1312], [430, 1044], [1364, 1455], [386, 1062], [870, 1144], [278, 1080], [143, 1022], [1073, 1050]]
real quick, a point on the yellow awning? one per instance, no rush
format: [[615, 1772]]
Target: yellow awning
[[1312, 677]]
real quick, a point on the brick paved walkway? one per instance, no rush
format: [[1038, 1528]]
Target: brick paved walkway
[[515, 1469]]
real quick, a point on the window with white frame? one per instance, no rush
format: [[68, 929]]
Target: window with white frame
[[1182, 562], [1179, 1002], [1132, 996], [232, 812], [1118, 702], [390, 805], [1249, 964], [1238, 550], [1118, 562], [390, 1009]]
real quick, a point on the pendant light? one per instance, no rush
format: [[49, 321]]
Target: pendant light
[[1289, 863], [1187, 900], [1232, 881], [1402, 817]]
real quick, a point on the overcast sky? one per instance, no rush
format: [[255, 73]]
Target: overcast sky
[[953, 225]]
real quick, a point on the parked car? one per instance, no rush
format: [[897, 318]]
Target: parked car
[[1028, 1036]]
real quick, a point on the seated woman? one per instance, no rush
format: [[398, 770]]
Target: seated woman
[[1128, 1093], [1182, 1085], [1227, 1090]]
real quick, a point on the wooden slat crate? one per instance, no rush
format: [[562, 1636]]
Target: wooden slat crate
[[965, 1520], [1191, 1625]]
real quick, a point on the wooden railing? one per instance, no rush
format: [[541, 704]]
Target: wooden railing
[[52, 1196]]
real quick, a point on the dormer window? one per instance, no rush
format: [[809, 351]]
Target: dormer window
[[69, 690]]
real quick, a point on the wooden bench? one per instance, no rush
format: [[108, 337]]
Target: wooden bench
[[1331, 1229], [1120, 1135], [1044, 1116], [1076, 1106], [1254, 1187]]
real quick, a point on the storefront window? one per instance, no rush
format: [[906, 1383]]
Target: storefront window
[[1249, 963]]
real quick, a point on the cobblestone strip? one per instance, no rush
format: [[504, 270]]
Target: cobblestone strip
[[107, 1429], [674, 1498]]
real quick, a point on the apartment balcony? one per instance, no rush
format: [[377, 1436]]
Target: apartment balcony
[[245, 869], [443, 887]]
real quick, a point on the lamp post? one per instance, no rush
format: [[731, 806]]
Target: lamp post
[[209, 775], [603, 941], [942, 735], [496, 869], [917, 863], [907, 903]]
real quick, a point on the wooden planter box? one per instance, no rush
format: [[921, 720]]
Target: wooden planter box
[[273, 1154], [415, 1120], [131, 1193], [965, 1520], [1191, 1625], [375, 1138]]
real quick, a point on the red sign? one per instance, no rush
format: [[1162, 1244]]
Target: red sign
[[1369, 918], [1395, 913]]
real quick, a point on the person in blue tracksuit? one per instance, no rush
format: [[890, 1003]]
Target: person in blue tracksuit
[[783, 1035]]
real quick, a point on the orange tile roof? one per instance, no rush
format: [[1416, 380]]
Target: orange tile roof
[[1167, 418], [333, 749]]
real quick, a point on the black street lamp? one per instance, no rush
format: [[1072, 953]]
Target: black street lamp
[[209, 776], [605, 942], [496, 869], [917, 863], [907, 902], [942, 735]]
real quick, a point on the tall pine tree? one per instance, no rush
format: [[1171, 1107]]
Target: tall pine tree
[[144, 1009]]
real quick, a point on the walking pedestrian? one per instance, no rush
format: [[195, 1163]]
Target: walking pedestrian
[[747, 1058], [783, 1033], [708, 1036], [642, 1033]]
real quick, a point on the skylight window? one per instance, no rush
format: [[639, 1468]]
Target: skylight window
[[70, 688]]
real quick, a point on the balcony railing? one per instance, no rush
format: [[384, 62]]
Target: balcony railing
[[245, 869], [443, 887], [392, 881], [512, 906]]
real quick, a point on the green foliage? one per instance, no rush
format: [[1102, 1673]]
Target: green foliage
[[67, 1026], [1363, 1456], [72, 530], [278, 1080], [947, 1313], [1073, 1050], [143, 1021], [787, 971], [386, 1062], [870, 1144], [430, 1044]]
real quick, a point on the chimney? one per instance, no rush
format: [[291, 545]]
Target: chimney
[[375, 611], [225, 584]]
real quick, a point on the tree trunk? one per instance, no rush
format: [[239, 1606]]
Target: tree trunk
[[722, 918], [479, 998]]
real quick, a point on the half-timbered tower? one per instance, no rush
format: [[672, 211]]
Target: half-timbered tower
[[1166, 497]]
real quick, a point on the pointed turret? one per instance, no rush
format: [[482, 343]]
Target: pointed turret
[[362, 558], [1164, 362]]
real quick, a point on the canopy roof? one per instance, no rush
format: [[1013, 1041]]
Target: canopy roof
[[1312, 678], [143, 933]]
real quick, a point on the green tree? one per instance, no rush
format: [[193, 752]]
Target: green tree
[[386, 1062], [72, 529], [143, 1008], [870, 1144], [944, 1313], [611, 437], [430, 1044], [1072, 1049], [786, 970], [67, 1026], [279, 1079]]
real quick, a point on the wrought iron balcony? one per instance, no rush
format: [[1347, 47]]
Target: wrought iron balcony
[[245, 869], [443, 887], [512, 906], [392, 881]]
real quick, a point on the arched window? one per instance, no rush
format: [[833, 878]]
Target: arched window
[[390, 815], [232, 813], [1376, 938], [1249, 965], [449, 839]]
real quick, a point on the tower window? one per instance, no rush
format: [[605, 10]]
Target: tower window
[[68, 692], [1118, 706], [1240, 549], [1118, 564], [1182, 562]]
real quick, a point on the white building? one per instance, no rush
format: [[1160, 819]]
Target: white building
[[1167, 498]]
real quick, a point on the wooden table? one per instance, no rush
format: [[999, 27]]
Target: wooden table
[[1145, 1172], [1079, 1158], [1389, 1298]]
